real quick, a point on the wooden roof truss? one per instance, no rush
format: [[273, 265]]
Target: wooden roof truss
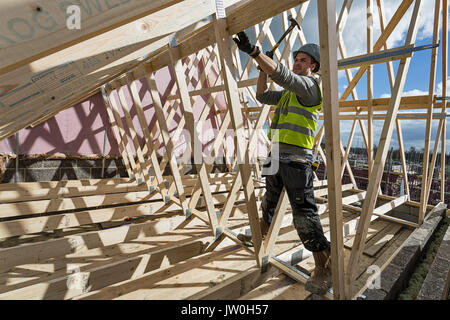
[[194, 41]]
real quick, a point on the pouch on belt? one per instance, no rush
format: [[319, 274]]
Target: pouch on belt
[[270, 166]]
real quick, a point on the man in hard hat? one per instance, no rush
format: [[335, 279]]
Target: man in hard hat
[[292, 134]]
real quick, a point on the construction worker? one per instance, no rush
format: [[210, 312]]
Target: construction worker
[[292, 133]]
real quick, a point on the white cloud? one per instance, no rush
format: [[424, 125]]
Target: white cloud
[[410, 93], [417, 92], [354, 33], [355, 30], [414, 92], [439, 87]]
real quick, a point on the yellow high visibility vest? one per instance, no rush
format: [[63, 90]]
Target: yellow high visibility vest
[[294, 123]]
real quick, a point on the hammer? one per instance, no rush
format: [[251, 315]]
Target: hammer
[[294, 24]]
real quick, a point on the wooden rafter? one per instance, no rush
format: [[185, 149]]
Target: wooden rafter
[[194, 138], [242, 154], [328, 44], [380, 157], [205, 46], [427, 177]]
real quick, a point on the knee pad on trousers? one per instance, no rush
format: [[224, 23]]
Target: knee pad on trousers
[[310, 232]]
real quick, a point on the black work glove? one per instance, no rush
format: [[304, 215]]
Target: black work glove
[[243, 43]]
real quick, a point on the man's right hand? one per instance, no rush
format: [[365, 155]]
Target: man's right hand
[[270, 55]]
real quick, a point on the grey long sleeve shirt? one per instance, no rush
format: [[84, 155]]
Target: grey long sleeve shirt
[[306, 88], [308, 94]]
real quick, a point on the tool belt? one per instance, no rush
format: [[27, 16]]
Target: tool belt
[[271, 164]]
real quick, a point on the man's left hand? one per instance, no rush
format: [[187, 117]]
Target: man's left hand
[[243, 43]]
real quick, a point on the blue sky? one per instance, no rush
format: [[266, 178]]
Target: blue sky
[[417, 81]]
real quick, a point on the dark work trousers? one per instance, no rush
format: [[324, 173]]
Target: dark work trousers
[[297, 178]]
